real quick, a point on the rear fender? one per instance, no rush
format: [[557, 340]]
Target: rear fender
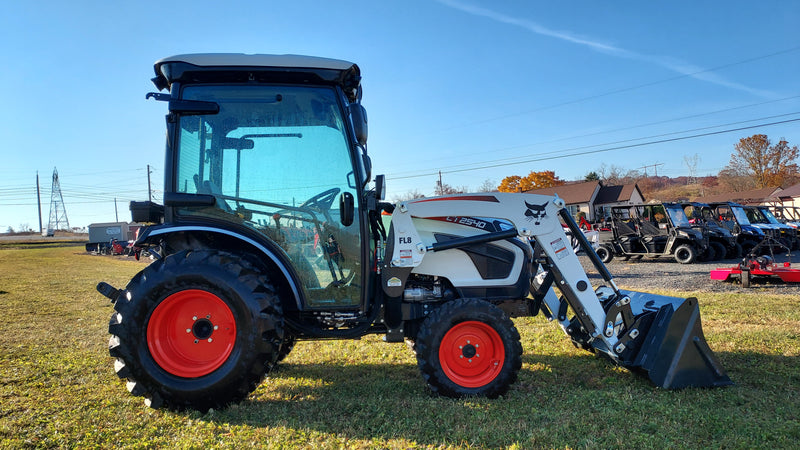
[[179, 237]]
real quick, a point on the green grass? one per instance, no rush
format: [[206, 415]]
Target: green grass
[[58, 387]]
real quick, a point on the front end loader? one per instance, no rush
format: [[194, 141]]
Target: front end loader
[[272, 232], [659, 336]]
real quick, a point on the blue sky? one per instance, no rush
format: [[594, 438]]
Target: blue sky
[[478, 90]]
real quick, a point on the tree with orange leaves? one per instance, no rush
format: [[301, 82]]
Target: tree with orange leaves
[[534, 180], [768, 164]]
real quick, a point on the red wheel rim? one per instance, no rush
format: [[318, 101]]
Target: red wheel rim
[[191, 333], [472, 354]]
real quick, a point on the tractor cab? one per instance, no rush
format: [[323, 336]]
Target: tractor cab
[[243, 166]]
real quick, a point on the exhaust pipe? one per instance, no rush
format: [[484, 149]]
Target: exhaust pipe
[[674, 353]]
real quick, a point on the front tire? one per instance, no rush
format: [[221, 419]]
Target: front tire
[[196, 329], [685, 254], [605, 254], [467, 348]]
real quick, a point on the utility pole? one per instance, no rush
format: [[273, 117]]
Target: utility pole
[[39, 201], [116, 212], [149, 191]]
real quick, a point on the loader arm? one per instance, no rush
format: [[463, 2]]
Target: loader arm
[[533, 217]]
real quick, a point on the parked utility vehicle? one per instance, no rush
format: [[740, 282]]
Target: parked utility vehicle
[[760, 216], [720, 240], [652, 230], [733, 217], [271, 233]]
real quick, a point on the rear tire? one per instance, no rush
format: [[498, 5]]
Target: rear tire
[[467, 348], [196, 329], [719, 250], [708, 255], [747, 246], [685, 254], [735, 251]]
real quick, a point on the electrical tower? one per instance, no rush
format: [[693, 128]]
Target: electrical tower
[[58, 212]]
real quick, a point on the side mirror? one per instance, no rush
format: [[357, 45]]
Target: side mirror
[[346, 209], [380, 187], [359, 117], [367, 167]]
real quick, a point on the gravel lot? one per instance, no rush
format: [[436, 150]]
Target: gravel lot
[[666, 274]]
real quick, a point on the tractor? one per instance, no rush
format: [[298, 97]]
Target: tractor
[[272, 231]]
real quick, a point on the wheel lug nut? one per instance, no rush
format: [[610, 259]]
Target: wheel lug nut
[[196, 341], [194, 317], [188, 330], [216, 327], [209, 339]]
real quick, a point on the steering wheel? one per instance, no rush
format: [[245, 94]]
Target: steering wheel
[[322, 202]]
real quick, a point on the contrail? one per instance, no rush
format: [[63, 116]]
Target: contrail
[[668, 63]]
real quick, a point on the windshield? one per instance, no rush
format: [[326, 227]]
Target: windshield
[[678, 217], [277, 160], [740, 215], [755, 216], [769, 216]]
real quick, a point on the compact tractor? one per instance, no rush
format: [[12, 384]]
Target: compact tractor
[[271, 232]]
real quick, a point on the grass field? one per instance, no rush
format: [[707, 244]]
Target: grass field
[[58, 387]]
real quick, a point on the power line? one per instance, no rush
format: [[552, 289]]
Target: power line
[[518, 159], [676, 119], [641, 144]]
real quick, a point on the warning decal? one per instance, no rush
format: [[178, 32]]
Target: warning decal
[[559, 247]]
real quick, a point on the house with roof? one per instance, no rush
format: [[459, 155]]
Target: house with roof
[[591, 199], [763, 196], [789, 196]]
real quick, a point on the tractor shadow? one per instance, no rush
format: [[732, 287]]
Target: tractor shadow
[[391, 401]]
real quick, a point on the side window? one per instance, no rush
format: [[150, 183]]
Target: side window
[[277, 160], [191, 164]]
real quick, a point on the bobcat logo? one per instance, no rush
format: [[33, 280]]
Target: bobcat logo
[[536, 212]]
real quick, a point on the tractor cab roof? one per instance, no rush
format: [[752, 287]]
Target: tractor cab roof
[[239, 67]]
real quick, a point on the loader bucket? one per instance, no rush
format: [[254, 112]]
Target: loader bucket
[[674, 353]]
